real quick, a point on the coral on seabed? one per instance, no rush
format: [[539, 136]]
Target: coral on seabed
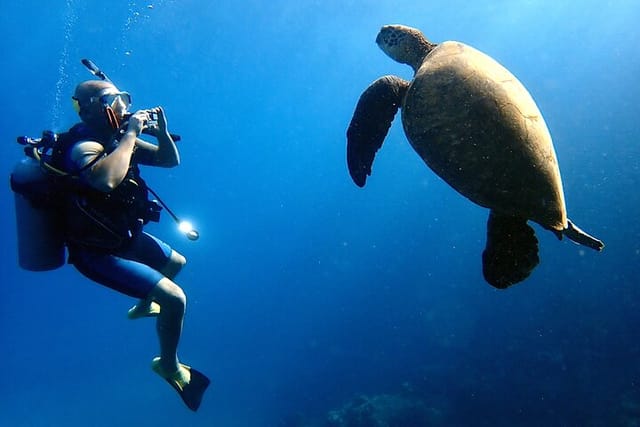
[[384, 410]]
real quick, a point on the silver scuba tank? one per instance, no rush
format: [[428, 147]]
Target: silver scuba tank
[[40, 240]]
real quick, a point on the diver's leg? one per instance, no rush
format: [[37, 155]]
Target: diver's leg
[[174, 265], [148, 307], [169, 323]]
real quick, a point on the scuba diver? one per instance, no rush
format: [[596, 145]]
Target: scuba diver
[[106, 207]]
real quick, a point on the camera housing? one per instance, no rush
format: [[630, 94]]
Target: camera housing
[[153, 119], [151, 123]]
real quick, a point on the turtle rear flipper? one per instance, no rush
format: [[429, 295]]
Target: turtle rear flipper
[[511, 253], [371, 120]]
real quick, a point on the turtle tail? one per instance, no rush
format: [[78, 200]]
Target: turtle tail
[[511, 253], [577, 235]]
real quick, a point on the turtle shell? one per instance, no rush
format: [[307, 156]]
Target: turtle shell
[[477, 127]]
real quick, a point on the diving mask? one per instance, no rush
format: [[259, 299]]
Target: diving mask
[[118, 101]]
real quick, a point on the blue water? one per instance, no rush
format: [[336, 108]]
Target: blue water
[[305, 291]]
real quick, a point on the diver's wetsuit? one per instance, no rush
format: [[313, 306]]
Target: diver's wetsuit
[[131, 264]]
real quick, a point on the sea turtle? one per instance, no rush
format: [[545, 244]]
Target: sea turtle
[[476, 126]]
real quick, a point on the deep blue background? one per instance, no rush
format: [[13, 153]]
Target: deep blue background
[[305, 290]]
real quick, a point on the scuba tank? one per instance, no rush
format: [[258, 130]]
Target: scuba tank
[[40, 239]]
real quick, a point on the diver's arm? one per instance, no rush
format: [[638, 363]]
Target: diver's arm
[[109, 171], [165, 153]]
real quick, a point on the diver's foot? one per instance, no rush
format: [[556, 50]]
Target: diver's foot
[[181, 377], [188, 382], [144, 310]]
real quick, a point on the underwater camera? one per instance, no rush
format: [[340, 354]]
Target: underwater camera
[[151, 123]]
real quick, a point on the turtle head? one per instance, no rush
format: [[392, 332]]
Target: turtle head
[[404, 44]]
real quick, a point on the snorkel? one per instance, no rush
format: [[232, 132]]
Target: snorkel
[[185, 227]]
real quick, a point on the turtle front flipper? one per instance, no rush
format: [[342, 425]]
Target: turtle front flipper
[[371, 120], [511, 253]]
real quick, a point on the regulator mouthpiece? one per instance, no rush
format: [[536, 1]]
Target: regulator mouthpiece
[[187, 228]]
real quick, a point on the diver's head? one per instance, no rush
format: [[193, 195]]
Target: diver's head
[[100, 104]]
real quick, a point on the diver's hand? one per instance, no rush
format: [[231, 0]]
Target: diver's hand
[[162, 119], [137, 121], [161, 126]]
